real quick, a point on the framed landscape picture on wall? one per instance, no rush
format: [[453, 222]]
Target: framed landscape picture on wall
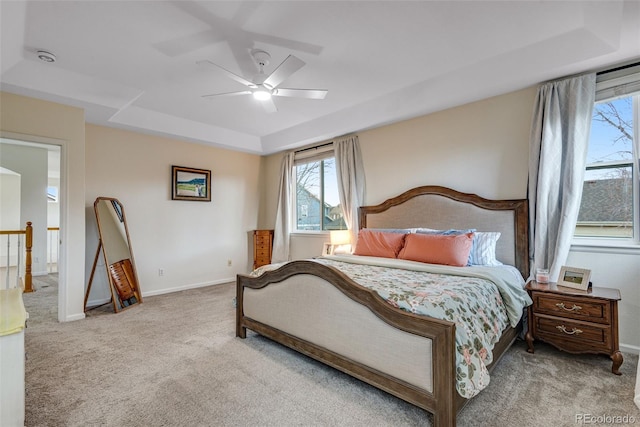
[[190, 184]]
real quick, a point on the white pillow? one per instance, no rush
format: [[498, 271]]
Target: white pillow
[[483, 251]]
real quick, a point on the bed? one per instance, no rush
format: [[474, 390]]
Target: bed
[[318, 310]]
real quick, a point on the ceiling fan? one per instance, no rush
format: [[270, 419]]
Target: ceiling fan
[[264, 87]]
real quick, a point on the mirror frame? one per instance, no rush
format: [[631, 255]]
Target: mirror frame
[[125, 272]]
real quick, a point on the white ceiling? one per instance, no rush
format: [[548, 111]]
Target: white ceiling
[[132, 64]]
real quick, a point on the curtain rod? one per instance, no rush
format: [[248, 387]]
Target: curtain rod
[[622, 67], [314, 148]]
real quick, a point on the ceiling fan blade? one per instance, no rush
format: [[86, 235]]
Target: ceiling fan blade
[[235, 77], [269, 106], [302, 93], [215, 95], [284, 70]]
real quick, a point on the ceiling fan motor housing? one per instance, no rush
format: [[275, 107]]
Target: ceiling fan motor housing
[[262, 58]]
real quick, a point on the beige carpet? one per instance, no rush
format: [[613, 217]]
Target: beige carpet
[[174, 361]]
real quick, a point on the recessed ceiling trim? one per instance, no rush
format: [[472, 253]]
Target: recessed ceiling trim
[[157, 122]]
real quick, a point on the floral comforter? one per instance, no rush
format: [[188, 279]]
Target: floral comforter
[[481, 301]]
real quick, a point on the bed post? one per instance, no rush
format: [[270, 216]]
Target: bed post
[[521, 212], [241, 331], [444, 370]]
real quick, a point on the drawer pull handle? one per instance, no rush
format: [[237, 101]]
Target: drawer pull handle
[[575, 331], [574, 308]]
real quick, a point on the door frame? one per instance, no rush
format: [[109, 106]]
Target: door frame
[[63, 244]]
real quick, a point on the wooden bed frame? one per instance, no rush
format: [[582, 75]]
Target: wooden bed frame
[[302, 304]]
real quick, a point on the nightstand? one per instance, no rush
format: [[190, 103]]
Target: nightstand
[[574, 320]]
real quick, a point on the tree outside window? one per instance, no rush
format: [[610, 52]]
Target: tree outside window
[[607, 205], [317, 201]]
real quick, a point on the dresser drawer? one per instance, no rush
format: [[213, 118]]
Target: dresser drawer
[[573, 336], [262, 253], [591, 310], [262, 245], [259, 262]]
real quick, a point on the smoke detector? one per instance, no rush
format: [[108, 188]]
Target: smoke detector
[[45, 56]]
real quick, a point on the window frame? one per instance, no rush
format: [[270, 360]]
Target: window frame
[[308, 155], [607, 90]]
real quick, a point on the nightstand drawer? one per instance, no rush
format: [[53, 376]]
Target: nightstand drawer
[[574, 308], [573, 330]]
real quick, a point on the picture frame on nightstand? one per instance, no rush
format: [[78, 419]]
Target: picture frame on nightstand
[[576, 278], [327, 249]]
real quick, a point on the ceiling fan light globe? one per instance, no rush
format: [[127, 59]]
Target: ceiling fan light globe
[[262, 95]]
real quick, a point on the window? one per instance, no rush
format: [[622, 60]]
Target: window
[[610, 199], [316, 199], [52, 194]]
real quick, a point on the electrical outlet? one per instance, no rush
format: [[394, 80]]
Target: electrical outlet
[[161, 272], [229, 263]]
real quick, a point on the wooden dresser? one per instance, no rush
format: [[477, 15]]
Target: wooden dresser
[[262, 247], [574, 320]]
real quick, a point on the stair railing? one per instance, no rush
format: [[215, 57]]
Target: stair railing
[[25, 282]]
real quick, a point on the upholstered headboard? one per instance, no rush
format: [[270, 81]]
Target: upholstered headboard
[[443, 208]]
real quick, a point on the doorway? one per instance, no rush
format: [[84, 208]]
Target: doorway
[[31, 190]]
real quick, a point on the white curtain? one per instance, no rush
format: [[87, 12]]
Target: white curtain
[[557, 160], [351, 182], [280, 252]]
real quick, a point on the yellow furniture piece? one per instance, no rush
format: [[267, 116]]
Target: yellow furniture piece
[[13, 317]]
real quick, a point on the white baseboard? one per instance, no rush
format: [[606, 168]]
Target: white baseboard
[[628, 348], [97, 302], [73, 317], [185, 287]]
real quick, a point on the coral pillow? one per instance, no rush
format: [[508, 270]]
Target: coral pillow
[[438, 249], [378, 243]]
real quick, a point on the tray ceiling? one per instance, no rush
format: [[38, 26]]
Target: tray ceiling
[[133, 64]]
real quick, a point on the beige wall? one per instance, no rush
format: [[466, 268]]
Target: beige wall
[[41, 121], [480, 148], [191, 241]]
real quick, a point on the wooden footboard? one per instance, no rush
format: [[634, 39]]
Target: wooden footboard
[[289, 289]]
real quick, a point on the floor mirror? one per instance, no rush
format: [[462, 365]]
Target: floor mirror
[[115, 244]]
